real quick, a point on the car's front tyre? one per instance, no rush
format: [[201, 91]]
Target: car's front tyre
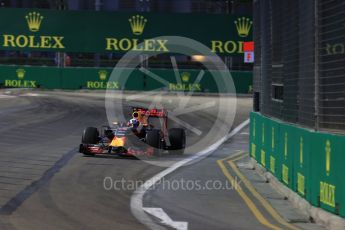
[[90, 136]]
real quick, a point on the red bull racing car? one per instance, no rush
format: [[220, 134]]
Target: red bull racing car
[[139, 136]]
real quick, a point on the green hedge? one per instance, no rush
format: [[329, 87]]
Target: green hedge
[[308, 162]]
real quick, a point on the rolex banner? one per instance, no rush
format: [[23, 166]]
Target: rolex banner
[[101, 32]]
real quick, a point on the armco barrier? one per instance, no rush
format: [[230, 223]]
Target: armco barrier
[[31, 77], [342, 198], [263, 146], [301, 163], [328, 172], [288, 136], [98, 78], [308, 162], [275, 160], [255, 144], [252, 135]]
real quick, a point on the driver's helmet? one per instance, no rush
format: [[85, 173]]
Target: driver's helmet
[[134, 122]]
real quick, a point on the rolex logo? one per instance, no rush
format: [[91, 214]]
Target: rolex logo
[[20, 73], [102, 75], [137, 23], [185, 76], [34, 20], [243, 26]]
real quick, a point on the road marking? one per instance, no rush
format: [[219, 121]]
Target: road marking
[[258, 215], [33, 95], [15, 202], [165, 219], [136, 203], [261, 199], [6, 96], [231, 161]]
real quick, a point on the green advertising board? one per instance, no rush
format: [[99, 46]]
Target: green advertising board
[[274, 155], [101, 32], [287, 154], [308, 162], [255, 136], [100, 79], [301, 163], [327, 183], [29, 77], [263, 128]]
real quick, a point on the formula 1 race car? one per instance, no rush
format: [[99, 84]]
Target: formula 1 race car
[[136, 137]]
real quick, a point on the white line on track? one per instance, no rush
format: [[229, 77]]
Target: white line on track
[[136, 203], [6, 96], [165, 219], [33, 95]]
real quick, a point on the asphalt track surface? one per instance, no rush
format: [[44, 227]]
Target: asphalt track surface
[[46, 184]]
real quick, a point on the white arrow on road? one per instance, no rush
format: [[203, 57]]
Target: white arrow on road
[[165, 219]]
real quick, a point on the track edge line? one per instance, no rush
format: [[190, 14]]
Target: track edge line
[[136, 202]]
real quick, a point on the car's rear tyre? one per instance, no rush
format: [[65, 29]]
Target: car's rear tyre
[[153, 138], [177, 138], [90, 136]]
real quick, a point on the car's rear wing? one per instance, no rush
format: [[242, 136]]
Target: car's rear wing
[[151, 112]]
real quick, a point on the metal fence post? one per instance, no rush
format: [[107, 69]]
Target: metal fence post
[[316, 75]]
